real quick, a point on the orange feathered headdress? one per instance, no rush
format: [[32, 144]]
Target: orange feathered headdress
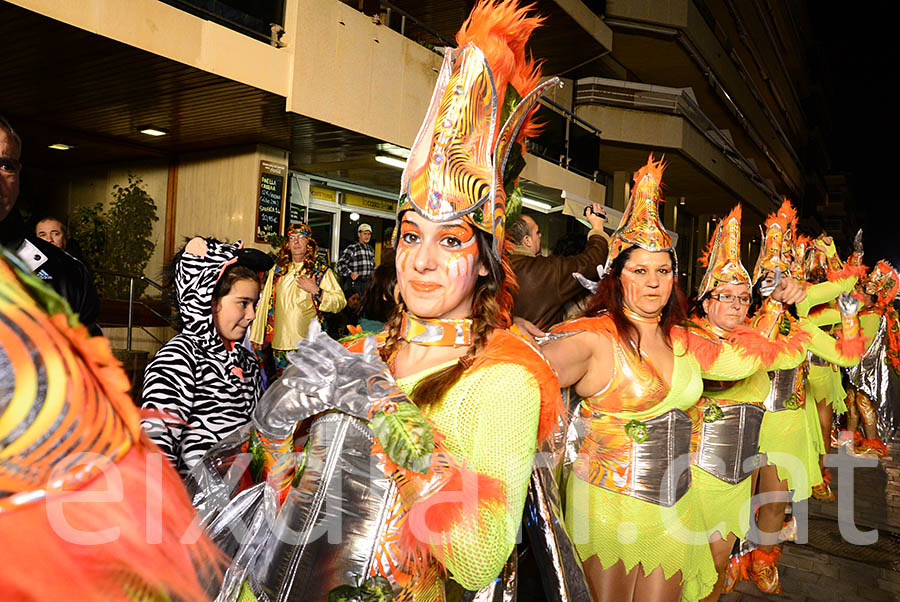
[[883, 282], [724, 257], [69, 430], [771, 255], [465, 159], [640, 225]]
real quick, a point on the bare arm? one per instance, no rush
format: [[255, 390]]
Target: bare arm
[[584, 360]]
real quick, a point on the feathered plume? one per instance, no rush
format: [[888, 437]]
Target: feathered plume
[[501, 30], [653, 168]]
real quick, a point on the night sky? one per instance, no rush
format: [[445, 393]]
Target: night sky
[[858, 54]]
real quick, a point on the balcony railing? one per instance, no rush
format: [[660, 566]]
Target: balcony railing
[[675, 101], [263, 19]]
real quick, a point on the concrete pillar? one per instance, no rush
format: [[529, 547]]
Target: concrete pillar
[[621, 188]]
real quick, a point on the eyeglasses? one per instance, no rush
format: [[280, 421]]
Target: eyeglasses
[[744, 299]]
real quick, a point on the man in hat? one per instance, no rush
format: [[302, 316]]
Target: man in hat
[[357, 262]]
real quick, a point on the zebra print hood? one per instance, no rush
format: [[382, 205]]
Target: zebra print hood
[[196, 273]]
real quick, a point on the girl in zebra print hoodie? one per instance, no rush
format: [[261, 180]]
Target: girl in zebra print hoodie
[[203, 380]]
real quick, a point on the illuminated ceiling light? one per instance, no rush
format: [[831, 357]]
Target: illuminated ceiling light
[[153, 131], [61, 146], [540, 206], [392, 161], [393, 149], [354, 217]]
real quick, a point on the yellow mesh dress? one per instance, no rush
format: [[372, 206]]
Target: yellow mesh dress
[[615, 526], [490, 420]]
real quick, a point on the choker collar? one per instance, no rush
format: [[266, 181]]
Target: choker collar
[[436, 332], [635, 317]]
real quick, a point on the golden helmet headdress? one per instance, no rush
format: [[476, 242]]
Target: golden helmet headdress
[[723, 256], [467, 155], [802, 252], [789, 215], [771, 256], [882, 282], [640, 225]]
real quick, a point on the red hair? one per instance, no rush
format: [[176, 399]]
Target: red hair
[[609, 298]]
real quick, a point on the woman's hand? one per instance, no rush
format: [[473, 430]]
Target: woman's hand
[[308, 284], [789, 291]]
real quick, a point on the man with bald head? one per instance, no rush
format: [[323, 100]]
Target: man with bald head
[[546, 284], [68, 276]]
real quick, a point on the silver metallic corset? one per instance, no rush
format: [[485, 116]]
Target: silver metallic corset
[[874, 377], [660, 463], [728, 443], [781, 394]]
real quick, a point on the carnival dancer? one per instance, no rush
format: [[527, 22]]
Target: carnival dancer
[[727, 420], [785, 434], [831, 277], [299, 287], [870, 380], [89, 508], [629, 495], [454, 415]]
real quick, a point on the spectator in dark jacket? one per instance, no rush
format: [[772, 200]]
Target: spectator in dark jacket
[[68, 276], [546, 284]]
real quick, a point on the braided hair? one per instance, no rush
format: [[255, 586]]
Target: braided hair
[[491, 306]]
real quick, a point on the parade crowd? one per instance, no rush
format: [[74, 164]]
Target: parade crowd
[[650, 442]]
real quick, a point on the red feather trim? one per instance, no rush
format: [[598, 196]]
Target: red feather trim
[[462, 496], [852, 346], [752, 344], [846, 272], [506, 347], [501, 30], [704, 349], [148, 515]]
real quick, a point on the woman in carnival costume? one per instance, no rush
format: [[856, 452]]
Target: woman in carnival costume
[[454, 416], [727, 420], [786, 436], [829, 278], [90, 510], [870, 381], [299, 287], [629, 500]]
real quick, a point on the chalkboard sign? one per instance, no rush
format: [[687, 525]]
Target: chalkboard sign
[[270, 200]]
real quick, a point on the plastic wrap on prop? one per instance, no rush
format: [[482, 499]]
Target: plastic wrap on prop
[[874, 377], [561, 572]]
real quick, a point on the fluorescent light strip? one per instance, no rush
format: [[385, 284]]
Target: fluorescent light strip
[[153, 132], [540, 206], [61, 146], [392, 161]]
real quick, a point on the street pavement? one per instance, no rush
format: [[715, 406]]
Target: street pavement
[[829, 568]]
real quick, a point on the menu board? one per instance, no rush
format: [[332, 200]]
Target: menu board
[[270, 200]]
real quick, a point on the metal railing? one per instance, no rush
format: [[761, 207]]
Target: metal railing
[[131, 303]]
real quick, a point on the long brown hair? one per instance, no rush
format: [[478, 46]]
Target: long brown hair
[[610, 298], [312, 249], [491, 306]]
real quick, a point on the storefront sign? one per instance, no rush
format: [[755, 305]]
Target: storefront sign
[[369, 202], [270, 199], [322, 194]]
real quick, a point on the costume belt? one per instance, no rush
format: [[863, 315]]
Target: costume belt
[[657, 459], [783, 395], [729, 442]]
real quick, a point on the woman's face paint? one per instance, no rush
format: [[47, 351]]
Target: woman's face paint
[[647, 280], [437, 266]]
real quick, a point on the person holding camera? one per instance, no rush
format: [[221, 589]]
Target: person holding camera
[[546, 284]]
